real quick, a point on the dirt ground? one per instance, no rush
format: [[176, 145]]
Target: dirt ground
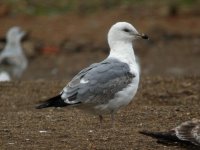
[[161, 104], [168, 93]]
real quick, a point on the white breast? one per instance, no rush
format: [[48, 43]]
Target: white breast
[[124, 97]]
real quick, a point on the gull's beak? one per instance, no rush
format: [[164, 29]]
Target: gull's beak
[[3, 39], [143, 36], [26, 36]]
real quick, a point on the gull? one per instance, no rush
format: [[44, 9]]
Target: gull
[[105, 87], [12, 58], [4, 76], [186, 133]]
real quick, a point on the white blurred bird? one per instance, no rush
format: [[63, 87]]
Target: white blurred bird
[[12, 58], [4, 76]]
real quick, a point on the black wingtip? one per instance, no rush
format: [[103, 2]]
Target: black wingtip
[[160, 135], [169, 138], [42, 105], [52, 102]]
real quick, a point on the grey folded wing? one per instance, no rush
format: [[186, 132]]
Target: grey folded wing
[[101, 82]]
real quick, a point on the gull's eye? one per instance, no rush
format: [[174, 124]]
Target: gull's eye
[[126, 30]]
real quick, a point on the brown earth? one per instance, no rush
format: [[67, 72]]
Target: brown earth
[[168, 94], [161, 104]]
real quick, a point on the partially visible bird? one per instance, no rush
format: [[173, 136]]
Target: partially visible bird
[[12, 57], [186, 133], [4, 76], [107, 86]]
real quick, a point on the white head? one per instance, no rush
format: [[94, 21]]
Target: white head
[[123, 32], [15, 34]]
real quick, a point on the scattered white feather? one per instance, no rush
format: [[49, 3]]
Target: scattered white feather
[[43, 131]]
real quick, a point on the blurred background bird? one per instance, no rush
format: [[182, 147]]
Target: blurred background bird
[[4, 76], [13, 61]]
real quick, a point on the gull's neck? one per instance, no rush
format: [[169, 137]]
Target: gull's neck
[[14, 46], [123, 51]]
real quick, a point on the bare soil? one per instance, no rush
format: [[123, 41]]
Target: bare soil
[[160, 105]]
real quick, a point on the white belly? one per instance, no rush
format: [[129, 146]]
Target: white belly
[[122, 98]]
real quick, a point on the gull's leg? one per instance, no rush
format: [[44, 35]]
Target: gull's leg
[[101, 120]]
